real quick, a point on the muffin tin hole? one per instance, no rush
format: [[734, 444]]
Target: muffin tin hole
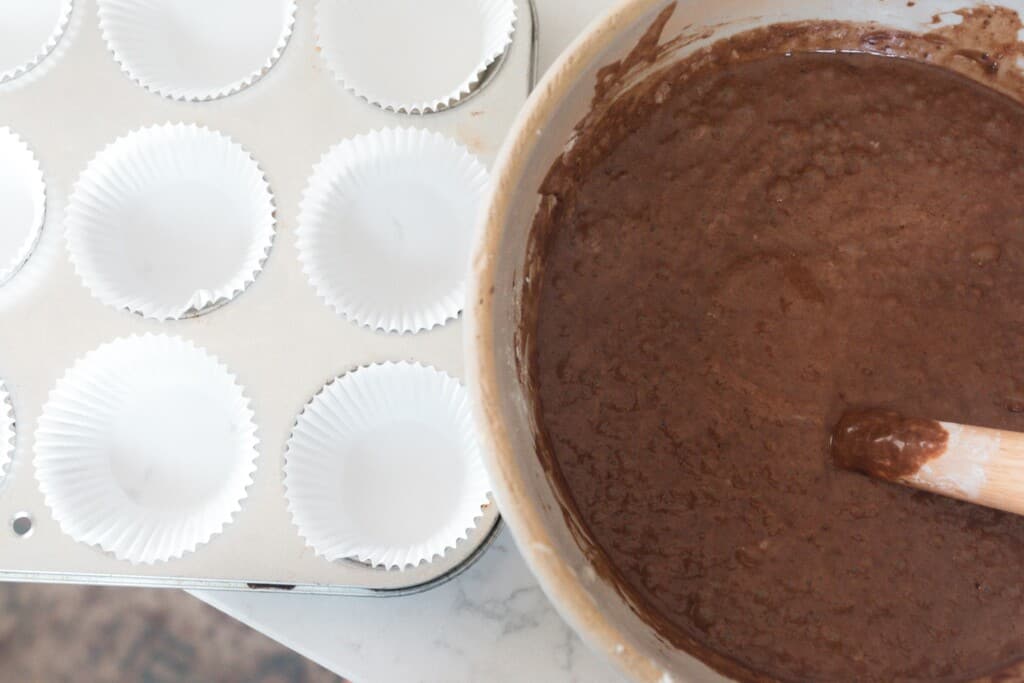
[[22, 524]]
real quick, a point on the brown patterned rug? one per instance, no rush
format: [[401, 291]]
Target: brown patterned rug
[[76, 633]]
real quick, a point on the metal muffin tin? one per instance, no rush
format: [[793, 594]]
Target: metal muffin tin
[[280, 340]]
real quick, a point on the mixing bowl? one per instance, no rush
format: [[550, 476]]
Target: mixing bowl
[[501, 269]]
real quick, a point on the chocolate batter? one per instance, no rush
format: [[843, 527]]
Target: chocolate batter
[[885, 444], [728, 266]]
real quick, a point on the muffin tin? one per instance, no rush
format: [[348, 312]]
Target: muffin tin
[[281, 340]]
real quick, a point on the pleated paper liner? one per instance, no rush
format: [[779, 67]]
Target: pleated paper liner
[[433, 57], [170, 221], [22, 203], [31, 30], [196, 50], [6, 430], [383, 466], [386, 226], [145, 448]]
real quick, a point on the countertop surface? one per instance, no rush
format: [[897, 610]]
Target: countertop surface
[[492, 623]]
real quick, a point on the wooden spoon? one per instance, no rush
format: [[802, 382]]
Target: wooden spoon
[[979, 465]]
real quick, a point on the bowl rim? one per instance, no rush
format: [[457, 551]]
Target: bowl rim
[[557, 578]]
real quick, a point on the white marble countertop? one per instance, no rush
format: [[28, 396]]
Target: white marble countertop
[[491, 624]]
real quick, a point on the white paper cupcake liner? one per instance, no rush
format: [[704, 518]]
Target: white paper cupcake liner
[[386, 226], [383, 466], [434, 54], [22, 203], [6, 430], [31, 30], [145, 448], [170, 221], [196, 50]]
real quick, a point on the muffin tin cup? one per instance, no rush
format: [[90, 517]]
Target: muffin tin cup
[[145, 448], [6, 430], [193, 50], [383, 466], [32, 29], [434, 58], [22, 203], [386, 226], [170, 221]]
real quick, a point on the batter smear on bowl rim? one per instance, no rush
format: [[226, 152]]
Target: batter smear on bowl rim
[[733, 254]]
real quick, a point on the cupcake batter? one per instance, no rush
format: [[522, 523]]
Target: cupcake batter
[[762, 246], [884, 444]]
